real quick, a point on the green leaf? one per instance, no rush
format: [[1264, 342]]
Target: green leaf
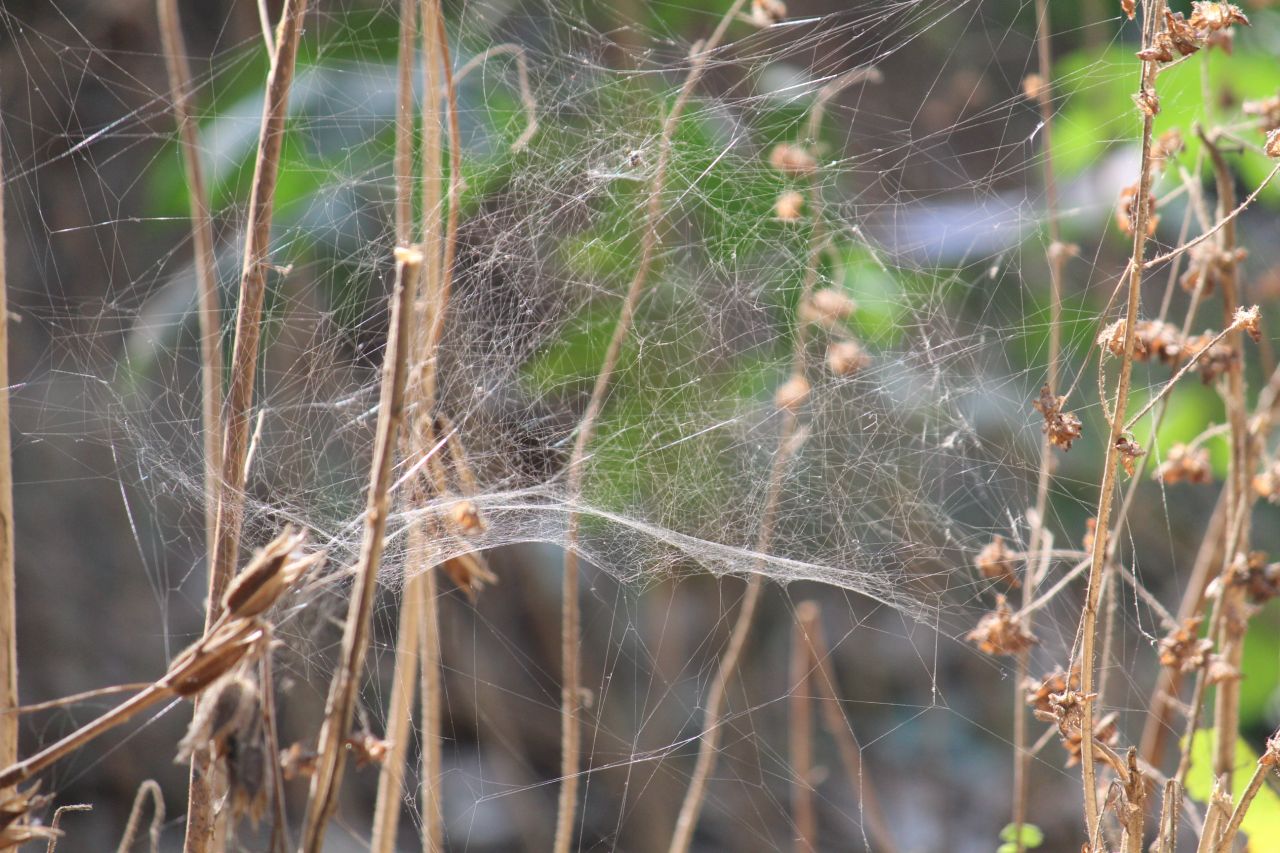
[[1262, 821], [1032, 837]]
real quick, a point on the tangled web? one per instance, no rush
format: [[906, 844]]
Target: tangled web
[[927, 214]]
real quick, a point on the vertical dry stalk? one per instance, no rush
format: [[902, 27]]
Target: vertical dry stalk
[[1089, 615], [1057, 256], [801, 737], [571, 676], [175, 54], [386, 815], [838, 727], [8, 602], [1232, 607], [244, 359], [322, 800]]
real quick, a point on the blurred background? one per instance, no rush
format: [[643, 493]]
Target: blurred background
[[939, 167]]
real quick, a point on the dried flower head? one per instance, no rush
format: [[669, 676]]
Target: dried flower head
[[996, 562], [845, 358], [1148, 103], [1209, 264], [765, 13], [366, 748], [1183, 648], [1272, 146], [1216, 16], [1220, 670], [1062, 427], [1266, 110], [1267, 484], [1001, 632], [788, 206], [828, 307], [792, 394], [1215, 361], [1039, 694], [1159, 339], [1183, 37], [1127, 212], [1129, 451], [1129, 7], [227, 726], [17, 826], [1104, 731], [792, 160], [1185, 465], [297, 761], [1260, 579], [1249, 320]]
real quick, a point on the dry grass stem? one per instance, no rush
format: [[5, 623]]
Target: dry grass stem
[[202, 241], [322, 800], [1089, 615], [148, 790], [800, 735], [244, 359], [56, 824], [8, 582], [571, 676]]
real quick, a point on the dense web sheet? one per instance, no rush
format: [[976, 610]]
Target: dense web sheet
[[932, 222]]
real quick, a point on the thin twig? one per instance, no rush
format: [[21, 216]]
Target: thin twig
[[56, 824], [8, 581], [149, 788], [1089, 614], [386, 814], [800, 736], [1266, 764], [202, 239], [244, 360], [571, 676], [322, 800]]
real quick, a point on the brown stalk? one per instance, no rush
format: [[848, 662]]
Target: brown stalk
[[8, 587], [801, 738], [1170, 805], [386, 815], [1089, 615], [1231, 603], [837, 725], [1266, 764], [244, 359], [571, 675], [175, 54], [1057, 256], [322, 799], [148, 789]]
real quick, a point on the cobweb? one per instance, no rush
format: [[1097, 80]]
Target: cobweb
[[934, 215]]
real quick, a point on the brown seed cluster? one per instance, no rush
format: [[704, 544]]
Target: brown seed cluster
[[1062, 427], [1127, 208], [1001, 632], [1183, 648], [1208, 266], [1260, 579], [17, 825], [1129, 451], [227, 726], [1039, 694], [996, 562], [1185, 465]]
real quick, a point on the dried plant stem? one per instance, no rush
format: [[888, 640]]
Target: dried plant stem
[[322, 800], [386, 815], [1057, 255], [1265, 765], [1089, 615], [1232, 607], [8, 598], [175, 54], [148, 789], [244, 359], [800, 735], [571, 676], [1170, 805], [837, 725]]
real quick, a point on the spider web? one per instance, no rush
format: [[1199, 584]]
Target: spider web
[[934, 216]]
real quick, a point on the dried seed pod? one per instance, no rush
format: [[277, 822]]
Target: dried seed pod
[[1183, 649], [1272, 146], [1249, 319], [466, 516], [1216, 16], [832, 303], [367, 749], [1130, 451], [845, 358], [469, 572], [1185, 464], [17, 826], [1266, 110], [792, 160], [1126, 209], [232, 705], [1001, 632], [995, 562], [788, 206], [1039, 694], [272, 570], [792, 394], [1062, 427]]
